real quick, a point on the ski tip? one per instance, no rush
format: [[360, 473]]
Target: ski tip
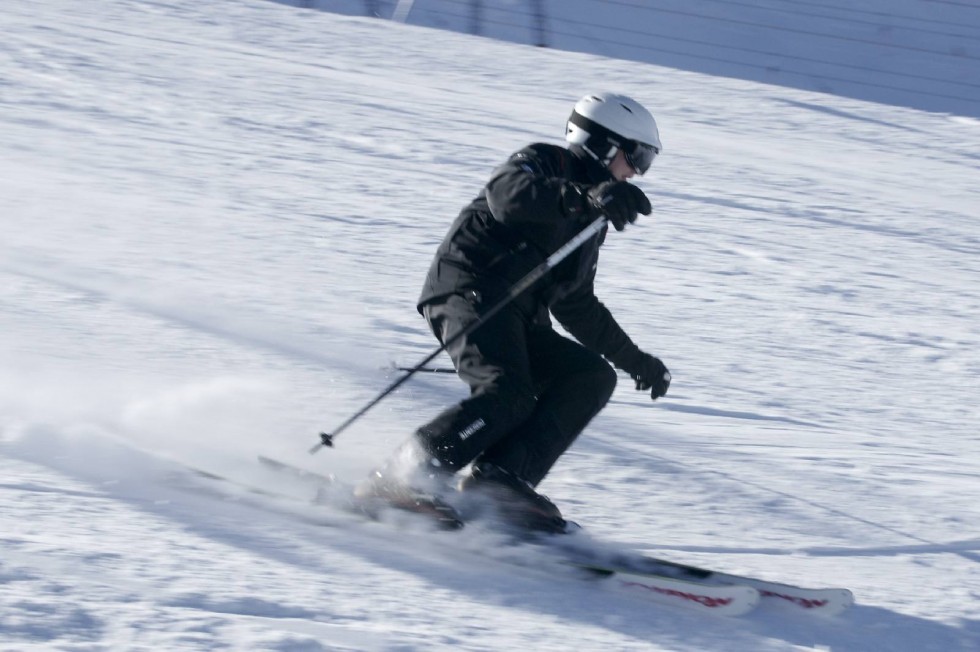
[[823, 602], [833, 608], [844, 602]]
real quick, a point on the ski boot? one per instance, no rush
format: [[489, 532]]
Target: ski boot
[[386, 488], [514, 500]]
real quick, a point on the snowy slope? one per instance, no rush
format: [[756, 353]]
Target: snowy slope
[[216, 218], [920, 54]]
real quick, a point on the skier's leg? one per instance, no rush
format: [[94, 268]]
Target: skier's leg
[[574, 384], [493, 361]]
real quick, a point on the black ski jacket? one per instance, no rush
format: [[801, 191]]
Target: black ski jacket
[[531, 206]]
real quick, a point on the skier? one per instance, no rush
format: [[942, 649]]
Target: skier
[[532, 391]]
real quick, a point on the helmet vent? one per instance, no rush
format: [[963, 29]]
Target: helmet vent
[[626, 107]]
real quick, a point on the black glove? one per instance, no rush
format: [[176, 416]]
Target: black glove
[[650, 373], [619, 201]]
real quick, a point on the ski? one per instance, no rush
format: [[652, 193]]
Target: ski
[[718, 600], [661, 579], [823, 601]]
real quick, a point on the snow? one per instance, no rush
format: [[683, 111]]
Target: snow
[[216, 219]]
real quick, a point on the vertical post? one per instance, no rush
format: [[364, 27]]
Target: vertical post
[[476, 17], [539, 23], [402, 9]]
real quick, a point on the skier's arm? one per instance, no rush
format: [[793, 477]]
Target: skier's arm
[[591, 323], [530, 187]]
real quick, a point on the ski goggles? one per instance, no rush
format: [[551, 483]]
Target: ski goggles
[[639, 155]]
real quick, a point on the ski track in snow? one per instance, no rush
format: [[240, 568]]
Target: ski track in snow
[[216, 220]]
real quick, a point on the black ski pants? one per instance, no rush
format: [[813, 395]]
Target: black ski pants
[[532, 391]]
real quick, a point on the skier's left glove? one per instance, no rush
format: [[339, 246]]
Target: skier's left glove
[[650, 373]]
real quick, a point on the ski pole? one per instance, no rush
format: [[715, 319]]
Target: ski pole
[[429, 370], [532, 277]]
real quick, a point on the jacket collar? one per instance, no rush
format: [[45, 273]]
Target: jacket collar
[[594, 170]]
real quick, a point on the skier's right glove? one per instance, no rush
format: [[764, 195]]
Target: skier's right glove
[[650, 373], [619, 201]]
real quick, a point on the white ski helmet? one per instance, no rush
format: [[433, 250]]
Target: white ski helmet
[[604, 123]]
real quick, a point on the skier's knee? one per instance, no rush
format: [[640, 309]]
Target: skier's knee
[[515, 404], [604, 382]]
